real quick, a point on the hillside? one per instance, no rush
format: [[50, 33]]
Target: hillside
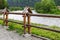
[[57, 2], [26, 2]]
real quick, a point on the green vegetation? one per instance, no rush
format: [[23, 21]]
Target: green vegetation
[[22, 3], [40, 32], [47, 6], [3, 4], [16, 8], [27, 2], [48, 34], [17, 27], [6, 4], [57, 2]]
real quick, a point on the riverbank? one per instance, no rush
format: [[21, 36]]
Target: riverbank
[[40, 32]]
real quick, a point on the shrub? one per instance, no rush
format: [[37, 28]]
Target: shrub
[[11, 26], [15, 8], [46, 6]]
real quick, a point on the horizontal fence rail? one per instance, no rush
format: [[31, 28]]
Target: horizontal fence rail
[[50, 29], [38, 15], [16, 13], [46, 15], [34, 26]]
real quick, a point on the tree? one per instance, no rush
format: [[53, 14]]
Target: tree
[[6, 3], [1, 4], [45, 6]]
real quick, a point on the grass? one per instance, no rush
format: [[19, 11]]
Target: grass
[[45, 33], [40, 32]]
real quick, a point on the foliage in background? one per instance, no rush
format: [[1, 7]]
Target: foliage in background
[[57, 2], [27, 2], [15, 8], [6, 4], [22, 3], [18, 8], [46, 6], [18, 3], [3, 4]]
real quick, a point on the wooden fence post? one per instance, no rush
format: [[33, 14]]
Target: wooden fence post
[[24, 23], [5, 16], [29, 28]]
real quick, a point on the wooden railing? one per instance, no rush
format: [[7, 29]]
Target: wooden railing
[[28, 25]]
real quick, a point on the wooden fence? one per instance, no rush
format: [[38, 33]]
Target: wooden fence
[[28, 25]]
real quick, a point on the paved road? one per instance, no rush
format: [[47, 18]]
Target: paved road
[[10, 35]]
